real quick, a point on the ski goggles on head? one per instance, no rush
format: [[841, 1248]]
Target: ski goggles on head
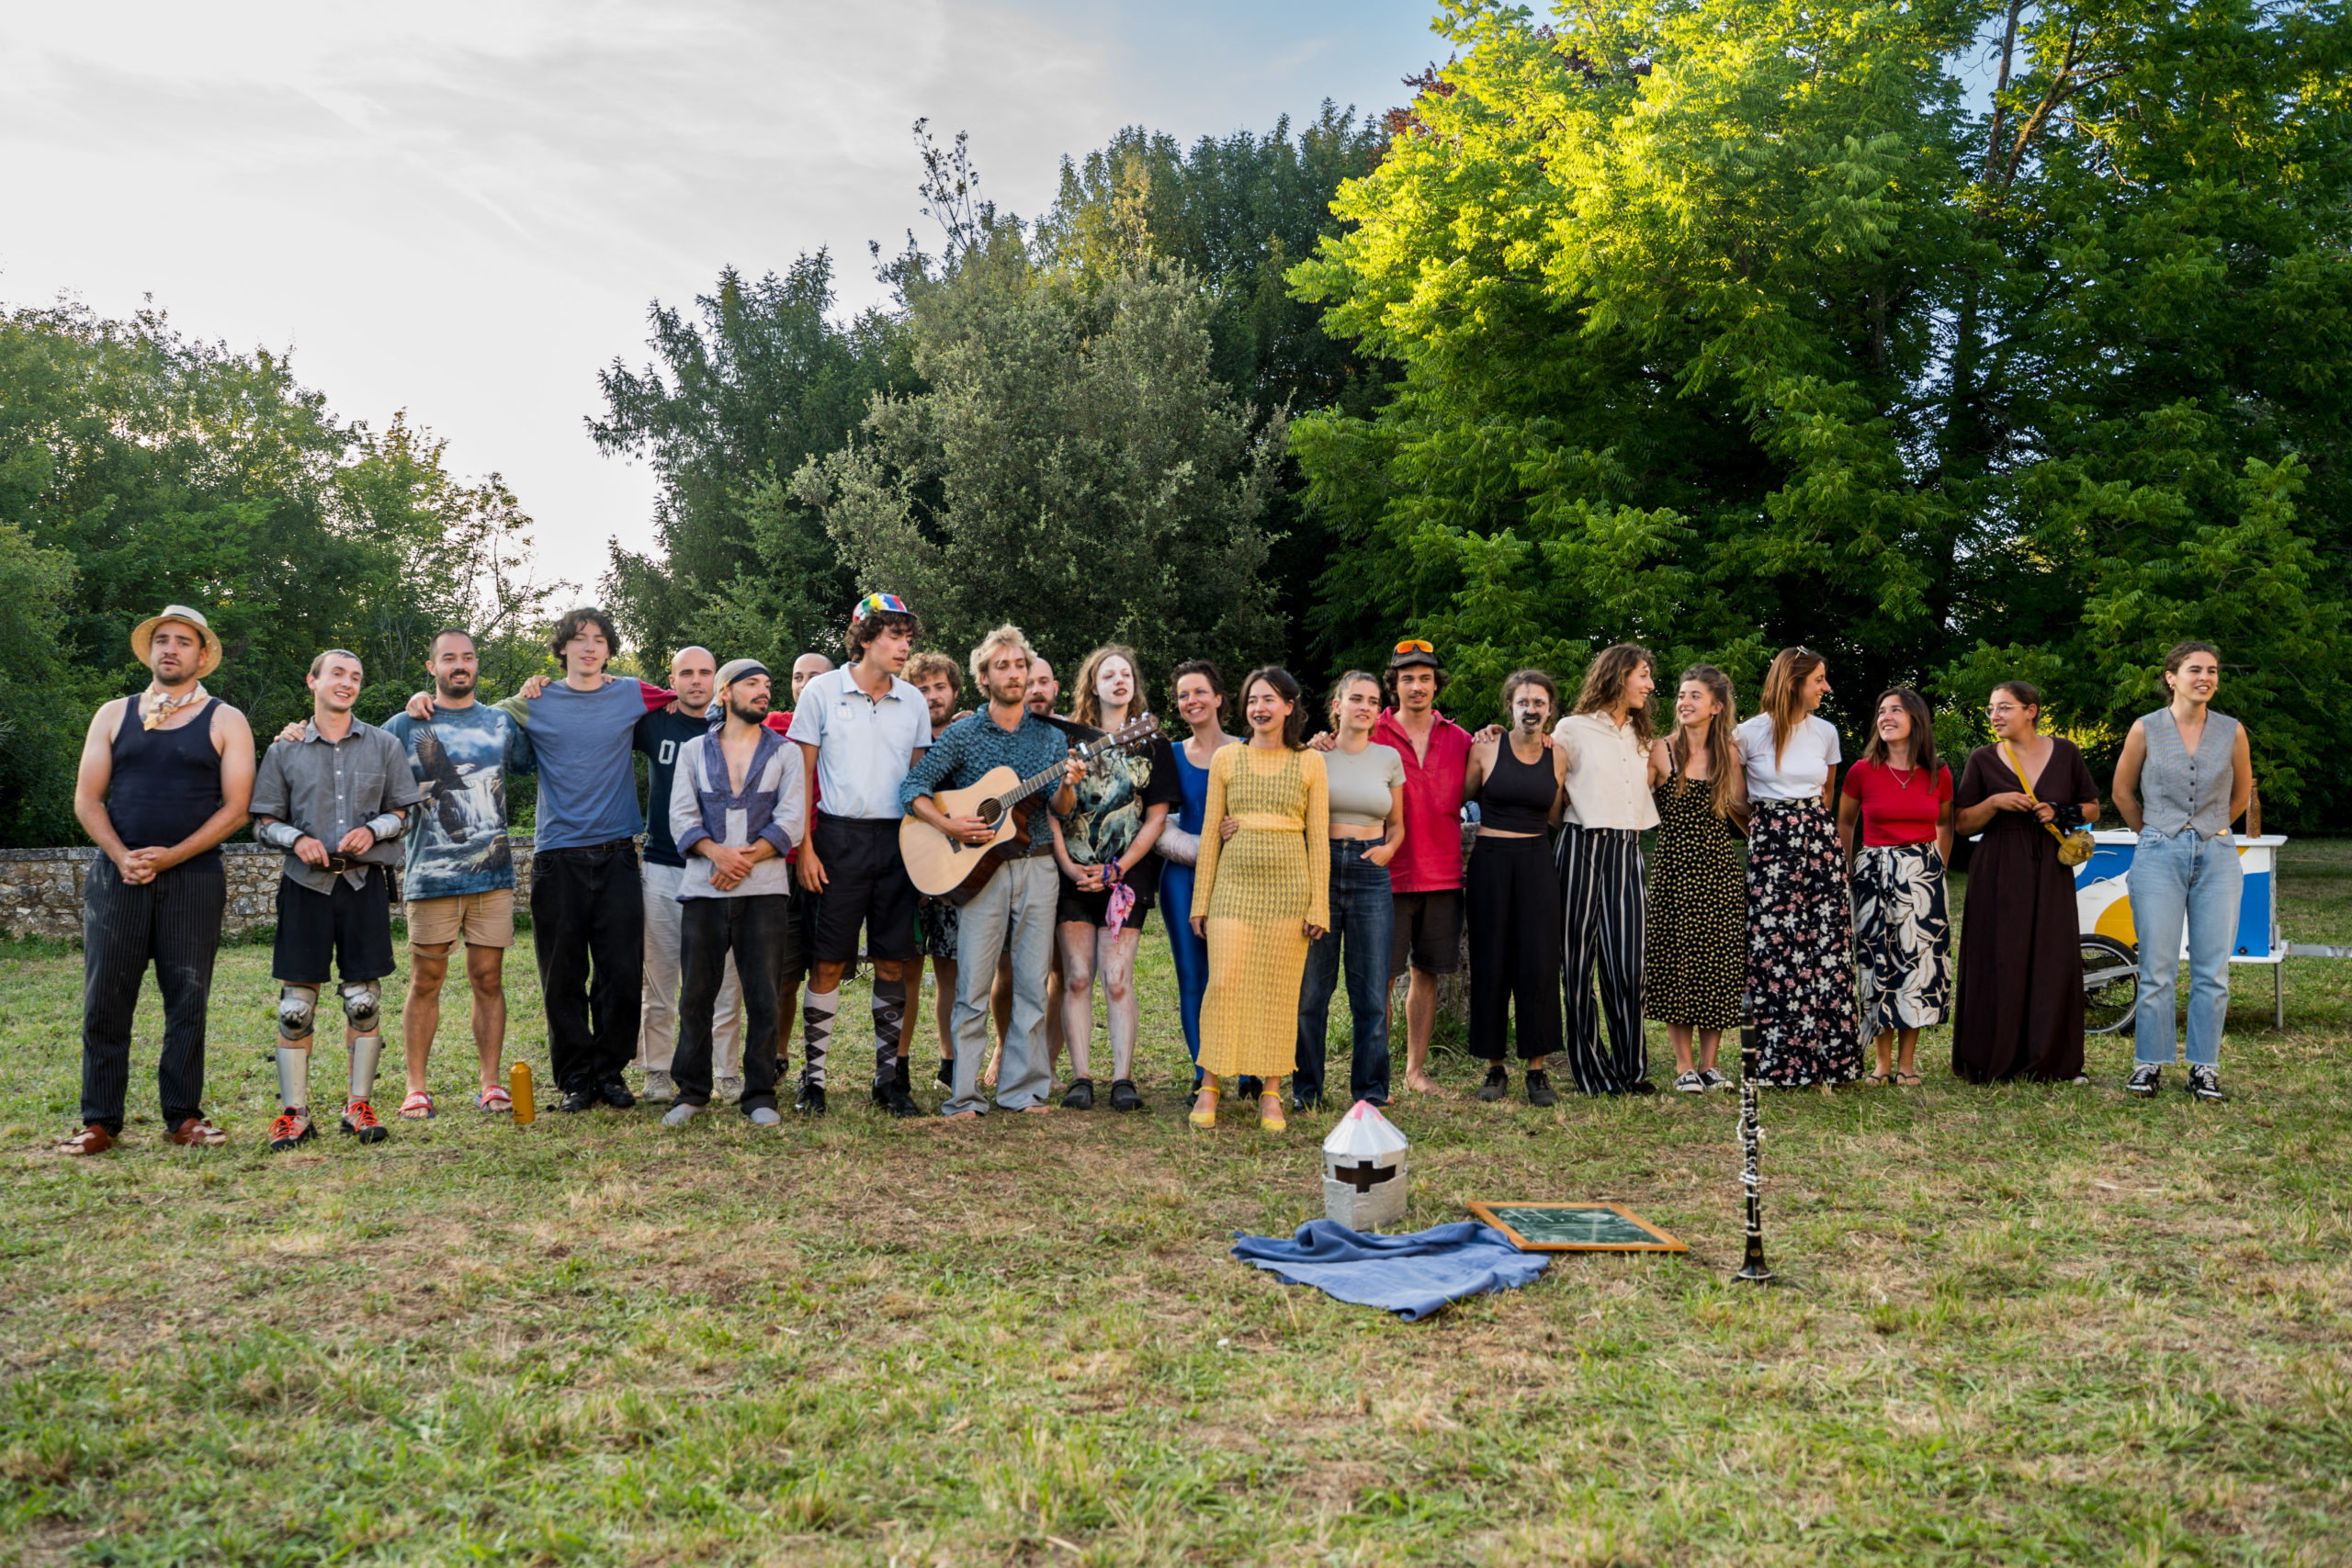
[[878, 605]]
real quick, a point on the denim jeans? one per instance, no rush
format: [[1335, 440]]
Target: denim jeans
[[2175, 878], [1363, 926]]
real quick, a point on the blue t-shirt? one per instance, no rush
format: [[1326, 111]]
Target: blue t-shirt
[[584, 742], [461, 758]]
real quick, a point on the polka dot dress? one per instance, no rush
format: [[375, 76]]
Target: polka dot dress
[[1698, 937]]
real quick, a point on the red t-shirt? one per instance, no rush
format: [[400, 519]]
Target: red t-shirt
[[1429, 860], [1897, 808]]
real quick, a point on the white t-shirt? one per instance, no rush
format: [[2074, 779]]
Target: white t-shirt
[[1804, 766]]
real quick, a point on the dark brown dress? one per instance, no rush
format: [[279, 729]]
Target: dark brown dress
[[2021, 959]]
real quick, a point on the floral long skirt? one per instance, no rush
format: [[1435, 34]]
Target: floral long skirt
[[1903, 933], [1800, 982]]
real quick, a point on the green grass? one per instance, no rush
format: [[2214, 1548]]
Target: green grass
[[2021, 1325]]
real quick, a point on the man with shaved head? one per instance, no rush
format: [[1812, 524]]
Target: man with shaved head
[[805, 669], [662, 735]]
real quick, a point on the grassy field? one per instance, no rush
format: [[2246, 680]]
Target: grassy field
[[2021, 1325]]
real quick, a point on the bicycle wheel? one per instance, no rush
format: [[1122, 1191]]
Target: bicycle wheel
[[2111, 986]]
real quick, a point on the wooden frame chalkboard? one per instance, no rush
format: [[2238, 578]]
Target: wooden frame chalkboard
[[1526, 1225]]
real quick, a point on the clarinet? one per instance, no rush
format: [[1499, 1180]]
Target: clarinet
[[1754, 1270]]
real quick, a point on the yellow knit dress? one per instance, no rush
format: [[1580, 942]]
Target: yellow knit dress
[[1255, 893]]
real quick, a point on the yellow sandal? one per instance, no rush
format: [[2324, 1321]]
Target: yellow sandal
[[1270, 1113], [1204, 1108]]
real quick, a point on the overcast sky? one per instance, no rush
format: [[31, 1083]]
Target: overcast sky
[[463, 209]]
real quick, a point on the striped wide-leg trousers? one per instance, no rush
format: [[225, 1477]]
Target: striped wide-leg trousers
[[1604, 908]]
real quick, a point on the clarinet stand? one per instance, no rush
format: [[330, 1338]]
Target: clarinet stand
[[1754, 1270]]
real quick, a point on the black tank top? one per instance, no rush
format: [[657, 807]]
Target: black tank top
[[166, 781], [1515, 796]]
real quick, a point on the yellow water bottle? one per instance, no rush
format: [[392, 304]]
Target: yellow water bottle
[[518, 1090]]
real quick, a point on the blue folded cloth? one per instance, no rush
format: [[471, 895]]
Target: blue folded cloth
[[1412, 1276]]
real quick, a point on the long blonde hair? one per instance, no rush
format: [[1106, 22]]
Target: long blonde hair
[[1088, 707], [1604, 686], [1723, 754], [1784, 694]]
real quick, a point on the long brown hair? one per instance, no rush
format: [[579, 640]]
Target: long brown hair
[[1784, 694], [1604, 686], [1723, 752], [1923, 732], [1283, 684], [1088, 707]]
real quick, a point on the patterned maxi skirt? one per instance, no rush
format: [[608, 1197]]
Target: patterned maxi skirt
[[1905, 938], [1800, 983]]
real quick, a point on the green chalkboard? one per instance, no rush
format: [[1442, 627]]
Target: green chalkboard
[[1576, 1227]]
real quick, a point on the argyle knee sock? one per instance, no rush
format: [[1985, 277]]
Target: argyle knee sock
[[890, 1018], [816, 1033]]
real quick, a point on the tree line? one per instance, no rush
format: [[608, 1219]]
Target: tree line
[[1714, 324]]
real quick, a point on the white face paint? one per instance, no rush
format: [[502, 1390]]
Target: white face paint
[[1114, 683], [1530, 710]]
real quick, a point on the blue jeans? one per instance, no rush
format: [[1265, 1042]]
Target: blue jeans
[[1363, 928], [1014, 913], [2178, 878]]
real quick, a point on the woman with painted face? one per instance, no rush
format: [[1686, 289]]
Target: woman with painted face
[[1510, 892], [1695, 950], [1800, 981], [1262, 897], [2196, 769], [1367, 783], [1605, 744], [1899, 798], [2021, 951], [1199, 694], [1109, 875]]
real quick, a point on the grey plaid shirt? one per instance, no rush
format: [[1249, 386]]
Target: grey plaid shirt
[[327, 788]]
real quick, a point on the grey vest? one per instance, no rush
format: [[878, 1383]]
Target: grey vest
[[2177, 790]]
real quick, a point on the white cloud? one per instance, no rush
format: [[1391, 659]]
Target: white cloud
[[463, 209]]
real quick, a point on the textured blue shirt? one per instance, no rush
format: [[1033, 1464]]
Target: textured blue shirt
[[587, 762], [962, 754]]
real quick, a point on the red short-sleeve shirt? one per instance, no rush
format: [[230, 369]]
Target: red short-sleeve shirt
[[1897, 808], [1429, 860]]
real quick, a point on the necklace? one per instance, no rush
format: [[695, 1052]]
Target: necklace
[[159, 710]]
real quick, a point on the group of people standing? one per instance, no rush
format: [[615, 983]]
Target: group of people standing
[[1387, 845]]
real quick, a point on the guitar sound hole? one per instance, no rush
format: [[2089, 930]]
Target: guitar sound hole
[[991, 812]]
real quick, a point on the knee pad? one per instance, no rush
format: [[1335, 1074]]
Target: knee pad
[[297, 1011], [359, 1002]]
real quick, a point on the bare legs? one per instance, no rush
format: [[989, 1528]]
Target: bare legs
[[1888, 1066], [1421, 1022], [420, 1018], [1089, 950], [1710, 1042]]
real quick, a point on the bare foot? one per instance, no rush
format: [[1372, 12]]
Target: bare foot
[[1421, 1083], [1036, 1110], [961, 1116]]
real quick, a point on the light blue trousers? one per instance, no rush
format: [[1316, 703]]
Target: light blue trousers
[[1013, 913], [2180, 878]]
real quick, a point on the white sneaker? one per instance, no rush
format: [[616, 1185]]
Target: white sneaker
[[727, 1089], [1689, 1083], [765, 1116], [660, 1087], [681, 1113]]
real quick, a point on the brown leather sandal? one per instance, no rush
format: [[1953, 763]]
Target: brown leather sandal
[[196, 1133], [91, 1140]]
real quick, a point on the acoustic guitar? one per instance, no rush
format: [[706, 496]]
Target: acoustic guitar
[[943, 866]]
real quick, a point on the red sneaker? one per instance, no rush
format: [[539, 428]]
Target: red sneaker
[[291, 1128], [359, 1117]]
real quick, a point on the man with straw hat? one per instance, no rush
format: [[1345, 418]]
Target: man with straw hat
[[165, 775]]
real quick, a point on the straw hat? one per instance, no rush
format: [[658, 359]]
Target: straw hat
[[144, 632]]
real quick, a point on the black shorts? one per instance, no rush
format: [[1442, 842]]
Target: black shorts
[[1094, 908], [866, 886], [1428, 933], [350, 929], [940, 923]]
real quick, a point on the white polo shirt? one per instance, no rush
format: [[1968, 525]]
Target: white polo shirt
[[864, 745]]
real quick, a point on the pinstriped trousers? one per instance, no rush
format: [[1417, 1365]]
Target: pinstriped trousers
[[1605, 906], [174, 923]]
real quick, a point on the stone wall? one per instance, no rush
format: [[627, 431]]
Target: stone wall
[[41, 890]]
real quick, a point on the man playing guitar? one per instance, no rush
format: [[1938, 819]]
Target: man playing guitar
[[1013, 910]]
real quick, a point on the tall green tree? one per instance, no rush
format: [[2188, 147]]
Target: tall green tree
[[1728, 325], [1239, 211], [742, 391], [139, 467], [1074, 465]]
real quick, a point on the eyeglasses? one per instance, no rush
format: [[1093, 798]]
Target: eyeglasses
[[1415, 645], [878, 605]]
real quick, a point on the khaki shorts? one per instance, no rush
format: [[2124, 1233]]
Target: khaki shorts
[[479, 919]]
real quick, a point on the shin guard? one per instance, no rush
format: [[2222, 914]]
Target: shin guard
[[817, 1013], [361, 999], [294, 1078]]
